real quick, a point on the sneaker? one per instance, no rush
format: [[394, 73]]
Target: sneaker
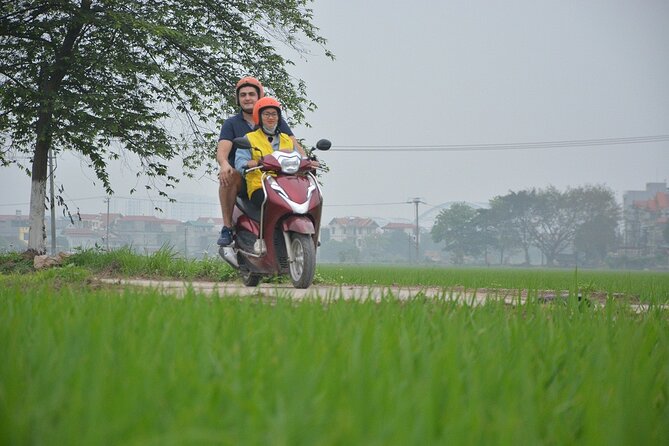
[[226, 237]]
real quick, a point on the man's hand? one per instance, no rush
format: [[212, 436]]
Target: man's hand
[[225, 175]]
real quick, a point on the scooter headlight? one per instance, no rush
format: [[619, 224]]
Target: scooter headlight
[[290, 164]]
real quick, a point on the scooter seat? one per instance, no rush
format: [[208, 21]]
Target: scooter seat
[[248, 208]]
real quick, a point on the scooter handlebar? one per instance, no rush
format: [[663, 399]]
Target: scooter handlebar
[[269, 163]]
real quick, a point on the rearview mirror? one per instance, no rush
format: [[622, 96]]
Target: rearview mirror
[[323, 144]]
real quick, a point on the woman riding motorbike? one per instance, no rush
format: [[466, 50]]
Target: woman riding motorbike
[[264, 140]]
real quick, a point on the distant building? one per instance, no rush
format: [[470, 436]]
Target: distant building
[[212, 221], [187, 207], [90, 230], [144, 234], [645, 215], [202, 236], [147, 232], [407, 228], [14, 232], [351, 228]]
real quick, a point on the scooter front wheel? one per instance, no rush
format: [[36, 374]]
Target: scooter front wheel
[[303, 267]]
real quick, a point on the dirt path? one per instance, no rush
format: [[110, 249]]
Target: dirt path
[[347, 292], [316, 291]]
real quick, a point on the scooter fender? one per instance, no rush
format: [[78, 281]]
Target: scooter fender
[[298, 223]]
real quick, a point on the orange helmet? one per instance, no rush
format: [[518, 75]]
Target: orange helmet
[[262, 104], [249, 81]]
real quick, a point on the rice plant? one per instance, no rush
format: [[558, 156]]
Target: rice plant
[[141, 367]]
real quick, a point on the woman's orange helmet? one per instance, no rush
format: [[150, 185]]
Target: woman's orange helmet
[[249, 81], [262, 104]]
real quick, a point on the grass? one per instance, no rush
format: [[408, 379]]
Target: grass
[[163, 263], [85, 364], [54, 278], [646, 286], [14, 262], [166, 263], [131, 367]]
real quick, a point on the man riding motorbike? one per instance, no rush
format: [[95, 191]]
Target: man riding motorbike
[[247, 92]]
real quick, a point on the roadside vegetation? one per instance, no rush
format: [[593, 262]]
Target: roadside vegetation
[[639, 286], [84, 363], [165, 263], [645, 286]]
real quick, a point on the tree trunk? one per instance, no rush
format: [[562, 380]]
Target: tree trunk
[[37, 237]]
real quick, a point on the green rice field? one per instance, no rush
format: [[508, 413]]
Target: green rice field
[[646, 286], [88, 364]]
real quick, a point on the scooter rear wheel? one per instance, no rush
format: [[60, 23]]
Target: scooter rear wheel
[[250, 279], [303, 268]]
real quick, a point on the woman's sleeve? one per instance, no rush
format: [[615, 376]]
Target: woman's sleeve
[[242, 156]]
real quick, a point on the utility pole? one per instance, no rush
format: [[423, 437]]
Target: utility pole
[[107, 236], [186, 240], [416, 201]]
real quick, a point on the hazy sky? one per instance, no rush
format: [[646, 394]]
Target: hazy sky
[[467, 73]]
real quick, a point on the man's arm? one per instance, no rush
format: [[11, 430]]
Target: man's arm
[[222, 152]]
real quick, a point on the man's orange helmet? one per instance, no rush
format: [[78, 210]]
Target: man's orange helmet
[[262, 104], [249, 81]]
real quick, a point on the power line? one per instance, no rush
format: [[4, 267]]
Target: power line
[[213, 202], [14, 204], [208, 203], [365, 204], [504, 146]]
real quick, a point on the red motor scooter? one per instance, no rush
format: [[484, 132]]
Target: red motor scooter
[[281, 236]]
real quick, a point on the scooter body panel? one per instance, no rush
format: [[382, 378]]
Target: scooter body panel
[[298, 223]]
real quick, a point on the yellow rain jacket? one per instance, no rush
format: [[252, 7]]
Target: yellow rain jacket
[[258, 139]]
